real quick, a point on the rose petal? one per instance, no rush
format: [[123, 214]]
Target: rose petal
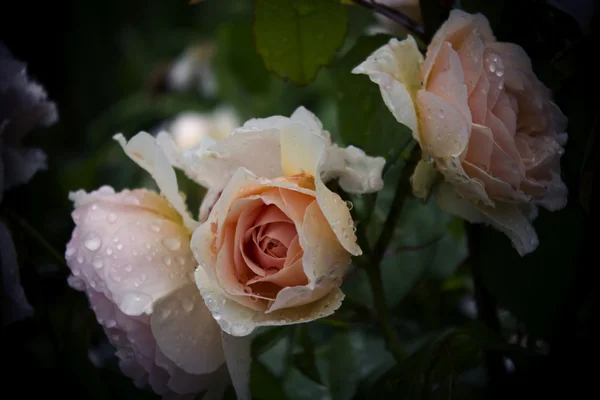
[[395, 67], [447, 81], [357, 172], [238, 320], [186, 332], [444, 131], [481, 146], [423, 178], [144, 150]]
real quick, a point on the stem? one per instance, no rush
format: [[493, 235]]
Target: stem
[[37, 236], [373, 268], [486, 304], [395, 15]]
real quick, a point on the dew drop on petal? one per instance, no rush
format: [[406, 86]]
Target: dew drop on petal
[[167, 260], [109, 251], [80, 259], [98, 263], [165, 313], [111, 323], [155, 227], [128, 268], [349, 205], [187, 305], [92, 242], [112, 218], [70, 251], [180, 260], [172, 243]]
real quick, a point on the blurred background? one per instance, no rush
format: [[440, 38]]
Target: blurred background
[[125, 66]]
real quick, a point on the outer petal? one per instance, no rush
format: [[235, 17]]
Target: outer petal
[[357, 172], [126, 246], [144, 150], [186, 332], [507, 218], [395, 67], [238, 320], [302, 152]]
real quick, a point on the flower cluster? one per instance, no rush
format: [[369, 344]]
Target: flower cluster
[[178, 296]]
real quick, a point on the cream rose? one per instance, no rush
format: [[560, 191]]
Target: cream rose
[[482, 118], [193, 129], [274, 241], [130, 254]]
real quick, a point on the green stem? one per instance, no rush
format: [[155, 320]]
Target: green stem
[[372, 265], [37, 236]]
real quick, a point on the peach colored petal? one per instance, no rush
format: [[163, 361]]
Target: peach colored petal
[[481, 146], [424, 178], [478, 100], [470, 53], [494, 70], [238, 320], [283, 232], [444, 131], [270, 214], [296, 204], [243, 230], [501, 136], [496, 188], [292, 275], [447, 81], [505, 112], [294, 252], [505, 168]]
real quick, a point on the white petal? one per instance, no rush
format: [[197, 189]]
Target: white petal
[[357, 172], [237, 354], [238, 320], [144, 150], [395, 67], [186, 332]]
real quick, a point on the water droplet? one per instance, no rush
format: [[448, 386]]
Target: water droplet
[[349, 205], [155, 227], [165, 313], [172, 243], [70, 251], [76, 272], [94, 207], [500, 73], [180, 260], [92, 242], [93, 284], [111, 323], [116, 239], [492, 67], [128, 268], [187, 305], [441, 114], [167, 260], [134, 303], [112, 218], [120, 246], [80, 259], [109, 251], [148, 246], [98, 263]]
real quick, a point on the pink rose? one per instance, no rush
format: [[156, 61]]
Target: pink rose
[[483, 119], [273, 242], [130, 254]]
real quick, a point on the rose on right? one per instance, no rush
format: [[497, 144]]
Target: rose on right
[[482, 118]]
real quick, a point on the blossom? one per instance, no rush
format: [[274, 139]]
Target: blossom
[[273, 242], [130, 254], [483, 119], [193, 129]]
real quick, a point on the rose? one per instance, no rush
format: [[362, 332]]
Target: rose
[[193, 129], [130, 254], [483, 119], [276, 241]]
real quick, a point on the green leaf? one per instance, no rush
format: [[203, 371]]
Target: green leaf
[[264, 385], [305, 361], [339, 362], [534, 287], [296, 38], [267, 339], [453, 352], [363, 119]]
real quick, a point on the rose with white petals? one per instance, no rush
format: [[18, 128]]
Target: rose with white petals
[[483, 119], [130, 254], [193, 130], [274, 242]]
